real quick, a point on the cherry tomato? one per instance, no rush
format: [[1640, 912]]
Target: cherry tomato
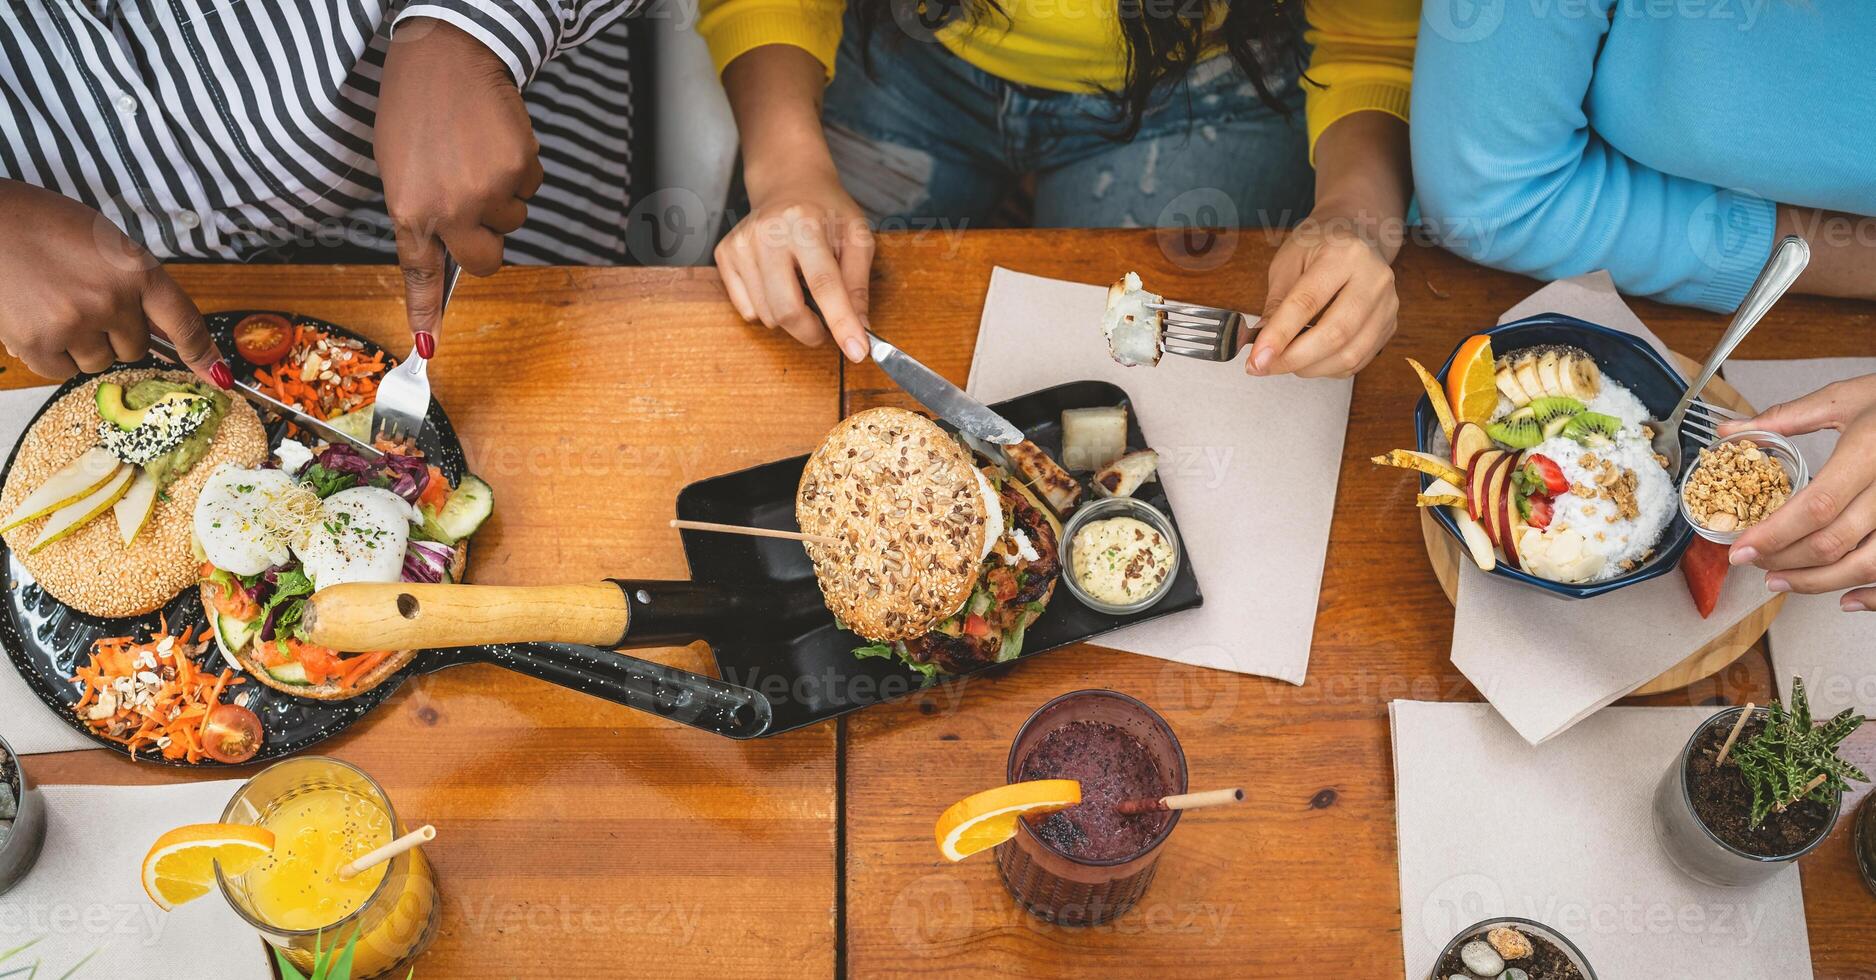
[[263, 338], [233, 735]]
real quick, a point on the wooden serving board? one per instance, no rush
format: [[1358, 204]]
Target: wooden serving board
[[1446, 556]]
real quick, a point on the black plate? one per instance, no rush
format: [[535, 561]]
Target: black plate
[[47, 640], [799, 659]]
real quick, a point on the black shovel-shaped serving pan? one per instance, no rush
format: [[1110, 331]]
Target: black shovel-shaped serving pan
[[782, 661]]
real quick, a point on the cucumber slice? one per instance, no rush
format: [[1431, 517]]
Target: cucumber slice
[[233, 634], [355, 424], [468, 506], [291, 673]]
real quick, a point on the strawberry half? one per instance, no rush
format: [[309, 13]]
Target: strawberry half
[[1541, 511], [1548, 470]]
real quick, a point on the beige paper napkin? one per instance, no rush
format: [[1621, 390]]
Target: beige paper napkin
[[1250, 465], [1546, 662], [1563, 834], [26, 723], [85, 896], [1834, 651]]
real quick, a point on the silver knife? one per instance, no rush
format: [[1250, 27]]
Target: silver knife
[[164, 347], [941, 396]]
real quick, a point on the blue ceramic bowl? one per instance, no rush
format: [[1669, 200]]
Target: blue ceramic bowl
[[1624, 357]]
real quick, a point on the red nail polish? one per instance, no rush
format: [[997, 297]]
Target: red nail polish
[[426, 344], [223, 378]]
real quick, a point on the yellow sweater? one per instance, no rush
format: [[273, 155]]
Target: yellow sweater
[[1363, 57]]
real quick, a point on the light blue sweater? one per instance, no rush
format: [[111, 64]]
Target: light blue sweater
[[1648, 137]]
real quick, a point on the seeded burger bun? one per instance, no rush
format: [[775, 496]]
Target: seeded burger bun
[[913, 517], [91, 570], [249, 654]]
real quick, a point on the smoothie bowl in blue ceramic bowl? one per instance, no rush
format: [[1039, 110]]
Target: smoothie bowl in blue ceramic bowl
[[1562, 491]]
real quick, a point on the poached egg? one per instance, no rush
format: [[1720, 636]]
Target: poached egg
[[250, 520]]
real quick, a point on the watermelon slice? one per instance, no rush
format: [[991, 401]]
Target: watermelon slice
[[1705, 566]]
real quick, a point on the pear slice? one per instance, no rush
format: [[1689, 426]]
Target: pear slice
[[76, 481], [73, 516], [133, 509], [1478, 543], [1547, 373]]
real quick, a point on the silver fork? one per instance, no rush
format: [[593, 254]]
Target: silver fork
[[404, 392], [1788, 260], [1208, 333]]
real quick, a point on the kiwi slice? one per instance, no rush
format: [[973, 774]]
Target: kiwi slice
[[1592, 426], [1552, 407], [1519, 430]]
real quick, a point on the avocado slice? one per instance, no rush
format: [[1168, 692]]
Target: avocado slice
[[115, 410]]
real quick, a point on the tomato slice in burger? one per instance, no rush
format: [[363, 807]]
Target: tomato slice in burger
[[233, 735], [263, 338]]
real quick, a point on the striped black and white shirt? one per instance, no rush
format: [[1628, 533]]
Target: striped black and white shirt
[[231, 129]]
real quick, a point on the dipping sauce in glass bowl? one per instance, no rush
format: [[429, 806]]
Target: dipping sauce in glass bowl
[[1121, 555], [1741, 483]]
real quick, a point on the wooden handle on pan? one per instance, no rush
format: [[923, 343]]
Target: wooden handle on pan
[[359, 616]]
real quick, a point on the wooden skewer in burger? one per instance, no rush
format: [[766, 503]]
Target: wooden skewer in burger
[[941, 559]]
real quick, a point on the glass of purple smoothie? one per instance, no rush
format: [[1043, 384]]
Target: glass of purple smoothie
[[1089, 863]]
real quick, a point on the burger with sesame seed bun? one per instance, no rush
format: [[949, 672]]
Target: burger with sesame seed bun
[[941, 559]]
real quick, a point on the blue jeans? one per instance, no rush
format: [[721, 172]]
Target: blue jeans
[[929, 138]]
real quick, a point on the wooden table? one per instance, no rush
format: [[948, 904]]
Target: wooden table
[[580, 839]]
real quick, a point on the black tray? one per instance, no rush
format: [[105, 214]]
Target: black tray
[[772, 633]]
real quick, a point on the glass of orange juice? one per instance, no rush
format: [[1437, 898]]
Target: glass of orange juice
[[323, 814]]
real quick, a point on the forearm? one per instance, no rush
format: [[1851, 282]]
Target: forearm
[[1843, 251], [1364, 177], [775, 94]]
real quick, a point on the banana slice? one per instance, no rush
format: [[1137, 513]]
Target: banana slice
[[1585, 376], [1507, 380], [1547, 372], [1526, 368]]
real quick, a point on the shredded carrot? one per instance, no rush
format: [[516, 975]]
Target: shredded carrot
[[356, 668], [353, 383], [161, 714]]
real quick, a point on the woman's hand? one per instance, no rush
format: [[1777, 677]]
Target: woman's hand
[[804, 228], [802, 225], [1326, 273], [76, 294], [1820, 540], [458, 157]]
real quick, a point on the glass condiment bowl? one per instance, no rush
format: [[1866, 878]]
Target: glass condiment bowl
[[1772, 444], [1102, 509]]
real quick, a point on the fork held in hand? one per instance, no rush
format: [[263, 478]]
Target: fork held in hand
[[1208, 333], [404, 393]]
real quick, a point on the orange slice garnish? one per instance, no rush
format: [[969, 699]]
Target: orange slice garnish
[[1471, 386], [986, 819], [181, 864]]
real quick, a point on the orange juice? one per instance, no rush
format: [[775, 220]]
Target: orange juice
[[315, 834], [323, 814]]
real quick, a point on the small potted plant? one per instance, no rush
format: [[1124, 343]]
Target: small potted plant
[[22, 820], [1510, 948], [1754, 790]]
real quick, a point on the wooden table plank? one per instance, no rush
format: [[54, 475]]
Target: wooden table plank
[[1305, 872], [576, 835]]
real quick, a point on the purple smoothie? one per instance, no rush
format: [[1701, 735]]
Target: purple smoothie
[[1111, 766]]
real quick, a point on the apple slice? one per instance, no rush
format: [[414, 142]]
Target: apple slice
[[133, 509], [1488, 495], [1469, 440], [1507, 520], [1478, 543], [76, 481], [73, 516], [1477, 483]]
